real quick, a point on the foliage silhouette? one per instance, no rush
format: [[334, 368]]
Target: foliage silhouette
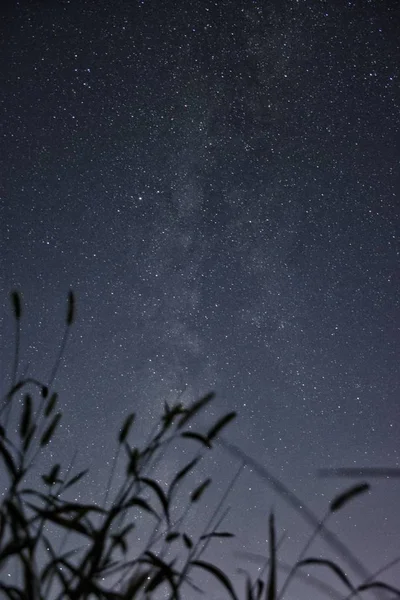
[[103, 562]]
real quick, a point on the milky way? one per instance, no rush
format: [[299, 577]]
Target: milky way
[[218, 183]]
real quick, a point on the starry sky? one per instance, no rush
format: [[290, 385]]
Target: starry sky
[[218, 182]]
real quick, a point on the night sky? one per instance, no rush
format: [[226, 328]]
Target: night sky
[[218, 182]]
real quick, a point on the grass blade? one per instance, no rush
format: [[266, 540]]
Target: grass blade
[[136, 501], [52, 477], [26, 416], [16, 304], [182, 473], [48, 434], [29, 438], [360, 472], [332, 566], [298, 505], [126, 428], [160, 494], [70, 308], [8, 461], [271, 583], [50, 404], [198, 492], [170, 537], [219, 425], [165, 569], [338, 502], [217, 534], [195, 408], [75, 479], [379, 585], [196, 436], [218, 574]]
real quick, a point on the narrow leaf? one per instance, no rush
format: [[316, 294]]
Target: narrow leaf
[[331, 565], [127, 529], [52, 566], [15, 513], [8, 461], [187, 541], [170, 537], [218, 574], [76, 509], [126, 428], [165, 569], [249, 589], [360, 472], [379, 585], [11, 548], [70, 308], [160, 494], [141, 504], [75, 479], [50, 404], [198, 492], [52, 477], [181, 475], [48, 434], [271, 583], [16, 304], [196, 436], [219, 425], [260, 588], [15, 388], [343, 498], [136, 582], [195, 408], [26, 416], [119, 540], [170, 413], [29, 437], [158, 578], [217, 534], [70, 524]]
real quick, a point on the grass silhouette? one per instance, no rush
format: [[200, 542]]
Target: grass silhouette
[[100, 560]]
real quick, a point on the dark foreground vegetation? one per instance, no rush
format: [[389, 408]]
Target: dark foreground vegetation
[[55, 547]]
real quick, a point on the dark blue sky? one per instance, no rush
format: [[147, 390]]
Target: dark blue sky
[[219, 184]]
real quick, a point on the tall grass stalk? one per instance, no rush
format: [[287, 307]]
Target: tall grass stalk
[[66, 549]]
